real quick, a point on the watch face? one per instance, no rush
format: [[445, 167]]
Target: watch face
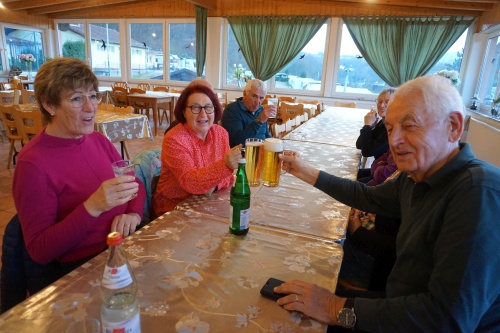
[[347, 318]]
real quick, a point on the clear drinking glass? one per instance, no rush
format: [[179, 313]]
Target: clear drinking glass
[[254, 150]]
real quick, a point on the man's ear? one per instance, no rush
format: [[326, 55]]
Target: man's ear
[[456, 122]]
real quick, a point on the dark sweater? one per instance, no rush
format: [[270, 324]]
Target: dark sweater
[[445, 278]]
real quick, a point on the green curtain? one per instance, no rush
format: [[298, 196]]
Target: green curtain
[[269, 43], [201, 39], [400, 49]]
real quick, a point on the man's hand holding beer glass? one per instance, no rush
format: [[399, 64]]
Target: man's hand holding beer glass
[[268, 112]]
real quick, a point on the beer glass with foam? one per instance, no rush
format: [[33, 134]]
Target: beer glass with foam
[[254, 150], [271, 168]]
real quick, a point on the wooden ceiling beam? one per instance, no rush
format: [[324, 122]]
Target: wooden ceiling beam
[[208, 4], [458, 5], [75, 5], [27, 4]]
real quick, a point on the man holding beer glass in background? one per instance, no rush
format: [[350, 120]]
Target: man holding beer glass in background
[[246, 117]]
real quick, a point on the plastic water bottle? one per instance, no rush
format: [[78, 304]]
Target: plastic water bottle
[[120, 307], [239, 217]]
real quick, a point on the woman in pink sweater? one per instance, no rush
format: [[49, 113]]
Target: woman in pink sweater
[[64, 188]]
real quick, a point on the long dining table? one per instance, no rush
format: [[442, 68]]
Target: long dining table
[[195, 276], [154, 99]]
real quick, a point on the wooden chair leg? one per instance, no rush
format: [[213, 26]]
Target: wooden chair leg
[[11, 152], [126, 150]]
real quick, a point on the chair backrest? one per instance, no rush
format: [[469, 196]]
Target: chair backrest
[[270, 96], [289, 99], [305, 101], [345, 105], [137, 91], [29, 122], [174, 90], [291, 114], [482, 138], [7, 114], [144, 86], [23, 77], [120, 84], [9, 97], [8, 86], [120, 96], [28, 96], [147, 167], [20, 275], [222, 98], [160, 88], [16, 83]]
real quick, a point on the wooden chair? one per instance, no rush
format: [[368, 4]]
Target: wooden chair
[[139, 106], [120, 96], [270, 96], [222, 99], [7, 114], [305, 101], [29, 122], [28, 96], [345, 105], [10, 97], [23, 77], [144, 86], [288, 99], [163, 107], [174, 90], [291, 114], [120, 84], [16, 83]]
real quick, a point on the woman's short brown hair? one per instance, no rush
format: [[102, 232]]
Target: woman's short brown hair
[[182, 102], [61, 74]]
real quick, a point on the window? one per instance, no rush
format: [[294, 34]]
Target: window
[[23, 41], [146, 50], [354, 73], [488, 88], [452, 59], [182, 52], [236, 66], [72, 40], [305, 72], [104, 37]]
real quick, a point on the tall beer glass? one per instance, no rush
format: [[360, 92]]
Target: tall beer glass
[[254, 149], [271, 168]]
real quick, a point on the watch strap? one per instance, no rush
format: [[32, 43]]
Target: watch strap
[[349, 303]]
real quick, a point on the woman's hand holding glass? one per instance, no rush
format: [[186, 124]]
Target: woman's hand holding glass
[[232, 157], [112, 192], [371, 117]]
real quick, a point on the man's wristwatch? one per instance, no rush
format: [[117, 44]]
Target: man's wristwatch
[[346, 316]]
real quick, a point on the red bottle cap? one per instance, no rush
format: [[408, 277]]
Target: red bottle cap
[[114, 238]]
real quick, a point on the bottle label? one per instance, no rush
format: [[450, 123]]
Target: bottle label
[[244, 218], [131, 325], [116, 277]]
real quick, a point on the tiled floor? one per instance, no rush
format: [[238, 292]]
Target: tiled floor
[[7, 207]]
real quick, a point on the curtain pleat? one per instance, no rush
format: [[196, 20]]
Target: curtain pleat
[[201, 39]]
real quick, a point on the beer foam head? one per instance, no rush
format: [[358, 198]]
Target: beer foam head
[[274, 145], [254, 143]]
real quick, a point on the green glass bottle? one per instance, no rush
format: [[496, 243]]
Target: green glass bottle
[[239, 217]]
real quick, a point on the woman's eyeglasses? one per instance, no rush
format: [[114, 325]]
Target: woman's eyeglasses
[[195, 108], [79, 100]]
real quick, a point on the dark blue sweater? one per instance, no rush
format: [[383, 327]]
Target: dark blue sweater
[[446, 276], [240, 123]]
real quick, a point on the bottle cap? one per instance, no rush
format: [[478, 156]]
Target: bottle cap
[[114, 238], [242, 160]]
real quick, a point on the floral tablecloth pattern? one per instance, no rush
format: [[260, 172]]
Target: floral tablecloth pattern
[[194, 276]]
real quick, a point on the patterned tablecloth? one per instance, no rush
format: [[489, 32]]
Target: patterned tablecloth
[[117, 126], [336, 126], [293, 206], [194, 276]]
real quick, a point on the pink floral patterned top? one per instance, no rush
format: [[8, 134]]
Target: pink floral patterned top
[[191, 166]]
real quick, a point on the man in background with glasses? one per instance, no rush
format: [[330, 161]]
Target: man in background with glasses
[[246, 117]]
